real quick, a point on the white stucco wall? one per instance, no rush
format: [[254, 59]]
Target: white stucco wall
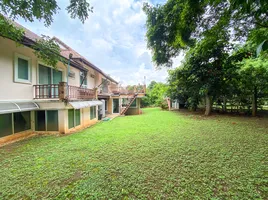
[[11, 90]]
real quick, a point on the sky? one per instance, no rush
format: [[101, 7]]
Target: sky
[[113, 38]]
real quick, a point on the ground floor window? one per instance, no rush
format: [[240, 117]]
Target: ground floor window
[[93, 112], [134, 104], [22, 121], [14, 123], [5, 125], [126, 101], [74, 118], [46, 120]]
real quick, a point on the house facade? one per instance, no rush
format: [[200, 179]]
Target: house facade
[[36, 98]]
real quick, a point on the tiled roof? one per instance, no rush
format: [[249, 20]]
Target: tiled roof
[[28, 34], [65, 51]]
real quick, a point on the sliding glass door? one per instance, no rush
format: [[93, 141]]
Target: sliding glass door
[[48, 76]]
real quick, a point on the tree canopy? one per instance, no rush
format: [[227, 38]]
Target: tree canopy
[[31, 10], [225, 44], [155, 94], [179, 24]]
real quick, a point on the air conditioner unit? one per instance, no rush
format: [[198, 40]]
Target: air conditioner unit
[[71, 74]]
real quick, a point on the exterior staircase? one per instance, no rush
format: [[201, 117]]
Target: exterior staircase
[[124, 110]]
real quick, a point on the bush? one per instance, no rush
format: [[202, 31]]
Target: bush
[[164, 105]]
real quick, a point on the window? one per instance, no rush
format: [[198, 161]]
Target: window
[[74, 118], [46, 120], [22, 69], [70, 118], [52, 120], [125, 102], [5, 125], [77, 117], [22, 121], [40, 120], [92, 112], [134, 104], [104, 85], [83, 79], [49, 75], [14, 123]]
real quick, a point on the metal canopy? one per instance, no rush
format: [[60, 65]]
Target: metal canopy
[[85, 104], [10, 107]]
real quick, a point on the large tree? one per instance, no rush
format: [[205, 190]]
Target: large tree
[[206, 30], [179, 24], [31, 10]]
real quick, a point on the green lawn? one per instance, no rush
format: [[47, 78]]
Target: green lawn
[[157, 155]]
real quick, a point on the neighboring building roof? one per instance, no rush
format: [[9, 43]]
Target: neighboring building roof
[[65, 51]]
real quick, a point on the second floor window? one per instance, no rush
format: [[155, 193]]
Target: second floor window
[[83, 79], [104, 85], [22, 69]]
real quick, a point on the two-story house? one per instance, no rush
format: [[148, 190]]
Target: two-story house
[[36, 98]]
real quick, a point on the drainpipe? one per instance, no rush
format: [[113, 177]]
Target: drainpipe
[[70, 57]]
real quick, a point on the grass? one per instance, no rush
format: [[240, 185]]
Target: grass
[[157, 155]]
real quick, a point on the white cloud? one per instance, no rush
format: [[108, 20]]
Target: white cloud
[[113, 38]]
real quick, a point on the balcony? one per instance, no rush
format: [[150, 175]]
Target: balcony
[[62, 91], [137, 89]]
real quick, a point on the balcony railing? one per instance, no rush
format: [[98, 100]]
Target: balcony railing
[[62, 91], [140, 89], [81, 93], [49, 91]]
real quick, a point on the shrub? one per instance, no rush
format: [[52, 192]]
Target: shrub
[[164, 105]]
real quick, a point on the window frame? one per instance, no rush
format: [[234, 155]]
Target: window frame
[[136, 106], [83, 74], [46, 120], [12, 125], [74, 118], [51, 72], [16, 69], [94, 113]]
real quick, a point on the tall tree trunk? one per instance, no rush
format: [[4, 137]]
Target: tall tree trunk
[[254, 102], [224, 108], [208, 105]]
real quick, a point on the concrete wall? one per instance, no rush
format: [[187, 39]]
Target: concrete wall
[[110, 106]]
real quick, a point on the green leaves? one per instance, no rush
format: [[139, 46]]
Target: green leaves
[[43, 9], [45, 49], [8, 30], [79, 9], [262, 47], [48, 51]]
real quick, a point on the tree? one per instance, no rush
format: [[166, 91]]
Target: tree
[[30, 10], [254, 79], [155, 94], [179, 24]]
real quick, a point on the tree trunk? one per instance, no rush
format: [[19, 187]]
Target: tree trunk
[[254, 102], [208, 105], [224, 108]]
